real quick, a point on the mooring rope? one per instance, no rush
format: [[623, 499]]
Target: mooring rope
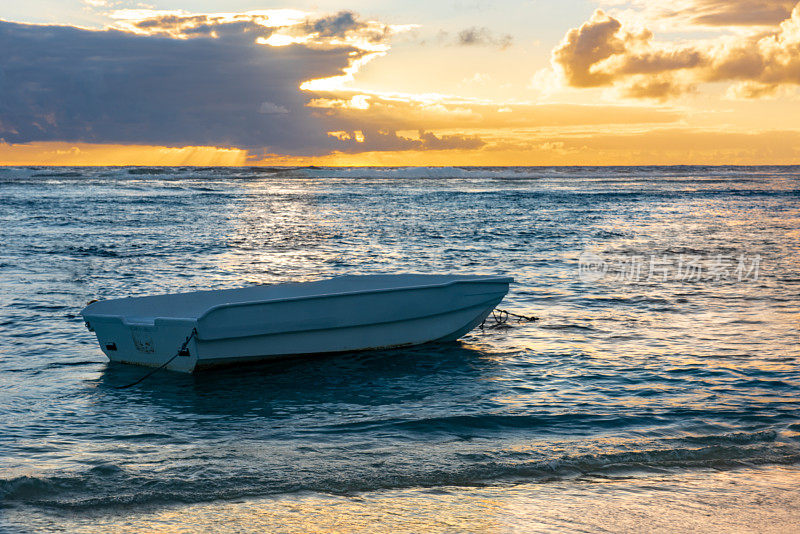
[[181, 350], [501, 317]]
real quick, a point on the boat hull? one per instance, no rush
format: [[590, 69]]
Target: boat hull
[[231, 333], [410, 332]]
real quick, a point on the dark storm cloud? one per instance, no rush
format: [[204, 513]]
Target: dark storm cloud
[[64, 83]]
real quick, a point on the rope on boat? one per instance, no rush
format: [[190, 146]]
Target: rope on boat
[[182, 351], [501, 317]]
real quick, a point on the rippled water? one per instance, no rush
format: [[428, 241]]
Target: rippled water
[[623, 378]]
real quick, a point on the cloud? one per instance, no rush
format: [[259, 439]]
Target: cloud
[[590, 146], [602, 52], [481, 36], [173, 79], [582, 48], [379, 140], [272, 108], [712, 13], [183, 25], [740, 12], [334, 25], [751, 90], [404, 112], [655, 87]]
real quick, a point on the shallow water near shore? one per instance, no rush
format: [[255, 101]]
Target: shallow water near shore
[[763, 500], [643, 378]]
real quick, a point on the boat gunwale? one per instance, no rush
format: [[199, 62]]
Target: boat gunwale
[[487, 279]]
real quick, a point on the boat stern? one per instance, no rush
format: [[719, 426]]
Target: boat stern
[[149, 345]]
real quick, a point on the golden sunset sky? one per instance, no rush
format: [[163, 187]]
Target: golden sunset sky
[[515, 82]]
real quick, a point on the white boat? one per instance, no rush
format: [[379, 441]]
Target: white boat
[[189, 331]]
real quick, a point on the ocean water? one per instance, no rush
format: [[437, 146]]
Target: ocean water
[[660, 389]]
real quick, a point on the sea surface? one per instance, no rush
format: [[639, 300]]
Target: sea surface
[[659, 390]]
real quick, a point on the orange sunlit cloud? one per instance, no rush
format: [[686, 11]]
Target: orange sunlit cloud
[[603, 53]]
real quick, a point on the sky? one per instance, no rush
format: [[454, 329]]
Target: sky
[[454, 82]]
